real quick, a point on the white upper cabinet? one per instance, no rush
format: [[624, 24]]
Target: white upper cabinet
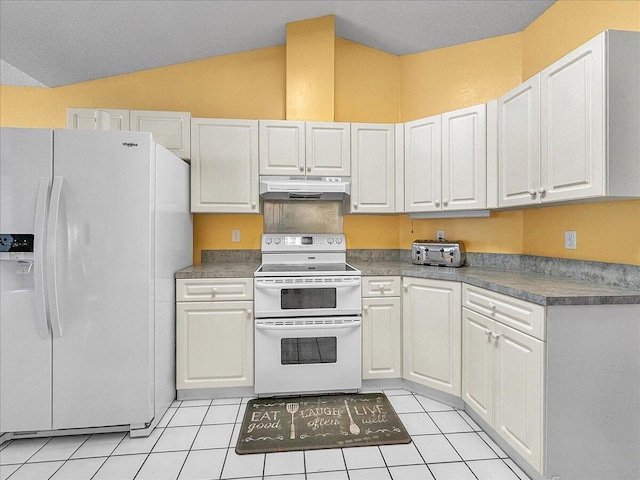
[[422, 150], [373, 165], [224, 166], [446, 161], [305, 148], [464, 159], [282, 147], [328, 149], [519, 144], [172, 130], [88, 119], [571, 132]]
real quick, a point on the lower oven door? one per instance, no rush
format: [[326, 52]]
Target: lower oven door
[[308, 355]]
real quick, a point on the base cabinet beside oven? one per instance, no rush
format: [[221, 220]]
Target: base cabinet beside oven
[[431, 331], [214, 333], [381, 328]]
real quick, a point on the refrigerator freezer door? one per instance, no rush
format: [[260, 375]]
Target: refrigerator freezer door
[[25, 342], [103, 362]]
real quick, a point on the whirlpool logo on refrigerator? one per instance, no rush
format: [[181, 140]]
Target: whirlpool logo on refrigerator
[[129, 144]]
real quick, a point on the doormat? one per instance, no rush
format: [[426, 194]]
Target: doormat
[[328, 421]]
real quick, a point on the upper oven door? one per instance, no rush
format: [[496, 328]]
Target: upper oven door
[[306, 296]]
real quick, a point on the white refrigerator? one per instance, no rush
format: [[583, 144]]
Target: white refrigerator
[[93, 226]]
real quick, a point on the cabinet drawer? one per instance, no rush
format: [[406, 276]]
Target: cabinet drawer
[[214, 289], [380, 286], [524, 316]]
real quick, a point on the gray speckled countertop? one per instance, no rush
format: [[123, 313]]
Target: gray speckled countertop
[[219, 270], [534, 287]]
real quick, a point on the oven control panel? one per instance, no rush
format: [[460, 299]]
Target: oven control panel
[[296, 242]]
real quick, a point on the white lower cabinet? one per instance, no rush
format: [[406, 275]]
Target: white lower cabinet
[[431, 329], [503, 380], [214, 339], [381, 328]]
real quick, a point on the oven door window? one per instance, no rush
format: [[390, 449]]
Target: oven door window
[[303, 351], [307, 298]]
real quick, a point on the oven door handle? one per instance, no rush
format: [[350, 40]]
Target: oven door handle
[[261, 326], [277, 286]]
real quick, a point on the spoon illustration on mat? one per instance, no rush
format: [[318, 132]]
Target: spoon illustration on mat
[[353, 428], [292, 408]]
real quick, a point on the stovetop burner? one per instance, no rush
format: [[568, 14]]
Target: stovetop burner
[[304, 255]]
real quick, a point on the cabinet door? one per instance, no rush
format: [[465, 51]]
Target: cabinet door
[[224, 166], [464, 159], [519, 144], [477, 363], [172, 130], [214, 344], [373, 168], [519, 390], [432, 333], [422, 167], [86, 119], [381, 338], [573, 124], [282, 147], [328, 149]]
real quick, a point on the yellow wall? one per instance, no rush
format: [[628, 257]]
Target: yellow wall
[[374, 86], [446, 79], [310, 69]]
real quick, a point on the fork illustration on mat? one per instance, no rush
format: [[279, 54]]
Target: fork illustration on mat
[[292, 408]]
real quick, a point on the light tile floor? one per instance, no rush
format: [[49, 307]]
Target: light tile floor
[[196, 440]]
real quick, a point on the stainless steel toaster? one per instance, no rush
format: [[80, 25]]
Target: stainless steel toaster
[[433, 252]]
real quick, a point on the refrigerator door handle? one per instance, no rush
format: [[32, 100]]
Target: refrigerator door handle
[[52, 246], [38, 257]]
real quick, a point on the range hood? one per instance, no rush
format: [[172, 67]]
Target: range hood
[[304, 188]]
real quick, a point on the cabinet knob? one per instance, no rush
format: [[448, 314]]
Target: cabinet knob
[[495, 335], [487, 332], [253, 205], [406, 287], [437, 203], [492, 305], [302, 169], [308, 169], [381, 288], [249, 312], [214, 291], [365, 308], [355, 205], [532, 192], [541, 190], [445, 202]]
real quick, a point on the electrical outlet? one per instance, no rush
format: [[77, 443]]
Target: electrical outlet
[[235, 236], [440, 235], [570, 240]]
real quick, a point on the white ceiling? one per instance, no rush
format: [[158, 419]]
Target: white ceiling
[[62, 42]]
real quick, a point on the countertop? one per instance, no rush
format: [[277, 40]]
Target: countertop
[[533, 287]]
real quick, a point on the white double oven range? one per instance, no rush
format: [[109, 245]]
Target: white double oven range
[[308, 317]]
